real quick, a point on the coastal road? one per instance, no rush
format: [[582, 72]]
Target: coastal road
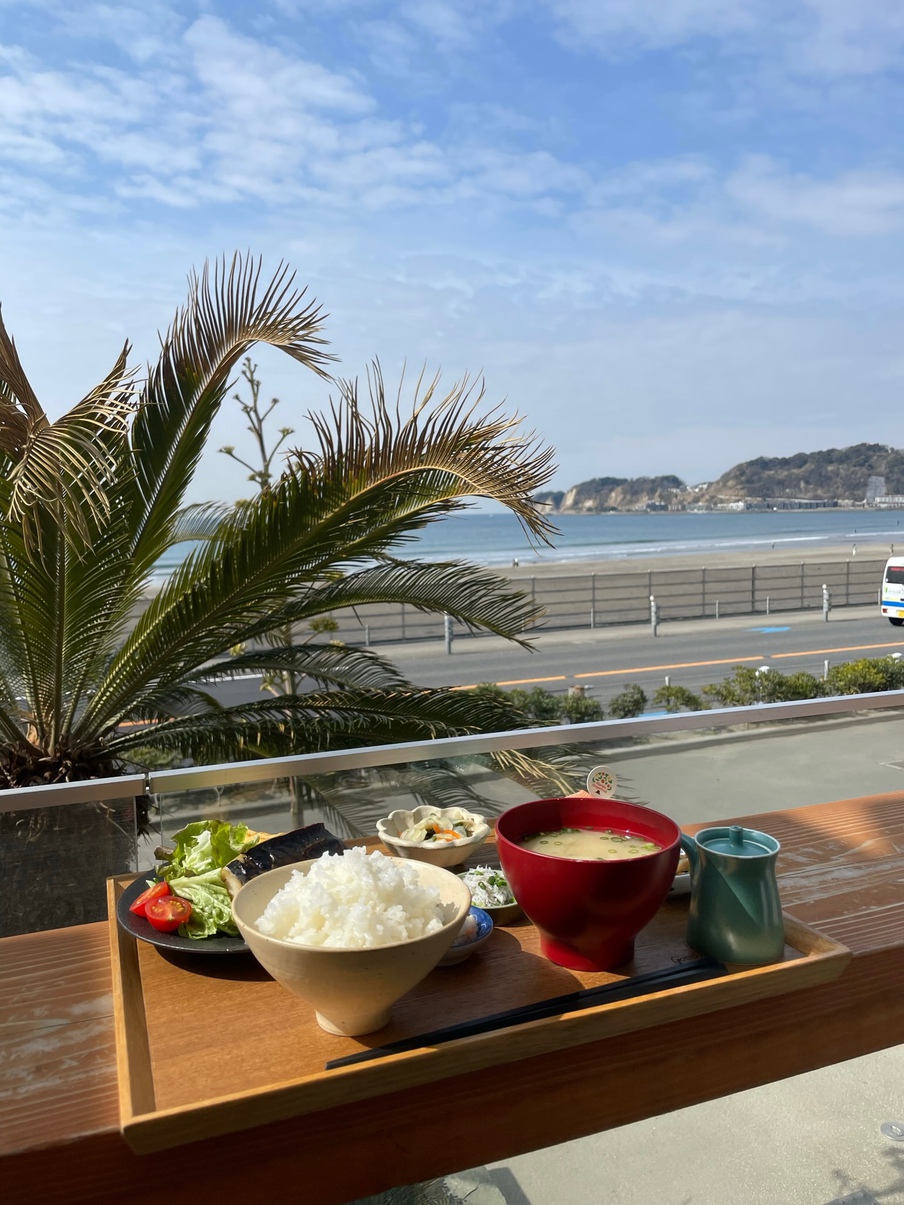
[[691, 653]]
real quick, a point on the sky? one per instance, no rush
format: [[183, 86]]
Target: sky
[[667, 234]]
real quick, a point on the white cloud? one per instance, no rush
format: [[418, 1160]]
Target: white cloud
[[144, 33], [451, 24], [259, 82], [831, 38], [237, 119], [862, 203], [654, 176], [846, 38], [620, 26]]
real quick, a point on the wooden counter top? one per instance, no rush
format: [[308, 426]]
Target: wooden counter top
[[841, 870]]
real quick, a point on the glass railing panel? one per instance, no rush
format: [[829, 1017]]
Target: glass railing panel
[[349, 801], [709, 774], [55, 861], [264, 806], [59, 844], [695, 775]]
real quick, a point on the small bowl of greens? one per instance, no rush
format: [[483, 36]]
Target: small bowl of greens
[[491, 892]]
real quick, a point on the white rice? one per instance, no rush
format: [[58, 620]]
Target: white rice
[[353, 901]]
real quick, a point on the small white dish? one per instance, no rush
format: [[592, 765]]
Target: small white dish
[[437, 853]]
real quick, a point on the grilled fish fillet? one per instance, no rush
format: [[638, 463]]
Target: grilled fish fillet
[[299, 845]]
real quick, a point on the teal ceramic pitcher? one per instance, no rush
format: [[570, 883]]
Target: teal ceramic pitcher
[[735, 911]]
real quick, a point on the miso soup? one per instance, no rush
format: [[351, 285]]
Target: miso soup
[[600, 845]]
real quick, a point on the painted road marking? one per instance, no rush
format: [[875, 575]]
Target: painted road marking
[[849, 648], [658, 669], [515, 682], [768, 630], [653, 669], [527, 681]]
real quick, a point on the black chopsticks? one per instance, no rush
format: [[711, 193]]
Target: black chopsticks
[[682, 975]]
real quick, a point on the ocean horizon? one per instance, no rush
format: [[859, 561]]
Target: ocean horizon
[[497, 540]]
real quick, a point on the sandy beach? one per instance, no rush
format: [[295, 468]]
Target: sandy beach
[[869, 550]]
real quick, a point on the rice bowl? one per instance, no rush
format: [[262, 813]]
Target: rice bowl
[[352, 989]]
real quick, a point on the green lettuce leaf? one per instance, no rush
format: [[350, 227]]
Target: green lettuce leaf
[[202, 849], [207, 845], [211, 905]]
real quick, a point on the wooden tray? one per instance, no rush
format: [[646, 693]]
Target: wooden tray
[[209, 1046]]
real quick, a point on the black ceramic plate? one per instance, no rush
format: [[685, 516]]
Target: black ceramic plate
[[145, 931]]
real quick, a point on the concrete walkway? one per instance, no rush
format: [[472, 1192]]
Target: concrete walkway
[[816, 1139]]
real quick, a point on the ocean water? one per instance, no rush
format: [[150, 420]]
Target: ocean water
[[498, 540]]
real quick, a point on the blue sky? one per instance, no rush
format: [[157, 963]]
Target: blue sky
[[668, 233]]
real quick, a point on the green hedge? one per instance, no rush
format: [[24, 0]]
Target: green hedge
[[746, 685]]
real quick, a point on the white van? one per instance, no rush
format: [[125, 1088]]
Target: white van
[[892, 599]]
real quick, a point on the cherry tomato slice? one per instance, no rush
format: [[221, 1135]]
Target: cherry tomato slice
[[168, 912], [153, 892]]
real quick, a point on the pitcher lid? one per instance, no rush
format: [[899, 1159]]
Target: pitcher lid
[[738, 841]]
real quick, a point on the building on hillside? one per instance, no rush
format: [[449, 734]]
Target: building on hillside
[[875, 489], [800, 503]]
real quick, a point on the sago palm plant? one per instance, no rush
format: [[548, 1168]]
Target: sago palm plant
[[89, 504]]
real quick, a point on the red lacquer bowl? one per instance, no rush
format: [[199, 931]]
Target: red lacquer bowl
[[588, 913]]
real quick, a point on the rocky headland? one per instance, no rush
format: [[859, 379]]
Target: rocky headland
[[861, 475]]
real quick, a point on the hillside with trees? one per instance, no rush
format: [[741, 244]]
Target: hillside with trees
[[836, 476], [616, 493], [838, 473]]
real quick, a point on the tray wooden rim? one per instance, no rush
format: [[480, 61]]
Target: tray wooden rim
[[147, 1129]]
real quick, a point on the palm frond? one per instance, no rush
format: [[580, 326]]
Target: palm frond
[[555, 771], [67, 464], [197, 618], [19, 406], [201, 521], [452, 451], [11, 733], [326, 664], [319, 720], [227, 312], [28, 615], [474, 596], [346, 506]]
